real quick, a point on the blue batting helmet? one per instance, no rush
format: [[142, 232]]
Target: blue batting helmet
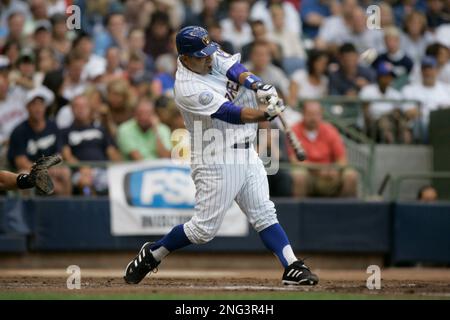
[[194, 41]]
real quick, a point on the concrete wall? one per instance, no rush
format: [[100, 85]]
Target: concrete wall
[[402, 159]]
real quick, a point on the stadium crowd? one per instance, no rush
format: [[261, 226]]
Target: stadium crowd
[[104, 91]]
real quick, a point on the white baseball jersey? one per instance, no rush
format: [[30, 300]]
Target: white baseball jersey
[[12, 112], [200, 96], [218, 185]]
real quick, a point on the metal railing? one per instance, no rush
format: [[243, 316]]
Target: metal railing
[[398, 179], [364, 189], [346, 112]]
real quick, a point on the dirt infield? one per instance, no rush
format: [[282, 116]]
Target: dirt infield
[[415, 283]]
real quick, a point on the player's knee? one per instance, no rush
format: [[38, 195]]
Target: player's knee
[[350, 177], [264, 220], [202, 238], [199, 234]]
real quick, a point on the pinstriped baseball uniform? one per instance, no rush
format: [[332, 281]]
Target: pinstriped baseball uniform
[[218, 184]]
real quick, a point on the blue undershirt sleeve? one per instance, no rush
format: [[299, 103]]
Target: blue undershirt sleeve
[[235, 71], [228, 112]]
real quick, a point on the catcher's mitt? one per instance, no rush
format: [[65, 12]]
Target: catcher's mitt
[[39, 174]]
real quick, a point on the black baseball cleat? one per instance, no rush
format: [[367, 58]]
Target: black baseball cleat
[[298, 273], [141, 265]]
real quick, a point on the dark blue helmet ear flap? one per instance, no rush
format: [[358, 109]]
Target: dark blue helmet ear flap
[[194, 41]]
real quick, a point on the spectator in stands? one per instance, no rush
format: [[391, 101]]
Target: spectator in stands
[[323, 145], [235, 28], [114, 35], [39, 13], [137, 13], [144, 137], [101, 113], [441, 34], [261, 11], [261, 66], [84, 141], [11, 50], [73, 82], [121, 102], [95, 65], [36, 137], [12, 106], [360, 36], [416, 37], [350, 77], [216, 34], [56, 7], [42, 36], [158, 35], [66, 82], [404, 7], [164, 79], [431, 93], [384, 120], [427, 194], [61, 41], [172, 9], [386, 15], [139, 77], [394, 54], [292, 51], [7, 8], [46, 63], [336, 27], [181, 150], [24, 77], [136, 43], [442, 55], [435, 13], [209, 15], [16, 29], [113, 69], [260, 34], [311, 83], [313, 13], [163, 108]]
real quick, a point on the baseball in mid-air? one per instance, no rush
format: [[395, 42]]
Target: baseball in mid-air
[[368, 56]]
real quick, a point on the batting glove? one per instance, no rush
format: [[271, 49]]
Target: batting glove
[[265, 91], [276, 106]]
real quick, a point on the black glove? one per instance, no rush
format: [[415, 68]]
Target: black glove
[[38, 176]]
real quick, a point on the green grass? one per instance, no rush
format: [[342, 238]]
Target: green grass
[[218, 296]]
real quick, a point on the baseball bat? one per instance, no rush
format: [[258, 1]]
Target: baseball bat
[[383, 185], [293, 140]]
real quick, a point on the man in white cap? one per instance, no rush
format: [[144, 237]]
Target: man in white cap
[[38, 137]]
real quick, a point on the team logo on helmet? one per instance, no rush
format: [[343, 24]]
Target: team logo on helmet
[[206, 41]]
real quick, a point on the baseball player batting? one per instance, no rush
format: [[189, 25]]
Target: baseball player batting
[[213, 90]]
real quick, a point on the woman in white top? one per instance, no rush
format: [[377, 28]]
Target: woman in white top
[[416, 37], [260, 11], [289, 41], [312, 83]]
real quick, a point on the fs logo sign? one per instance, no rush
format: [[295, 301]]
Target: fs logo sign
[[160, 188]]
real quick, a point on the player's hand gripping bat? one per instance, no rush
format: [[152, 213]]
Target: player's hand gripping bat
[[292, 138]]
